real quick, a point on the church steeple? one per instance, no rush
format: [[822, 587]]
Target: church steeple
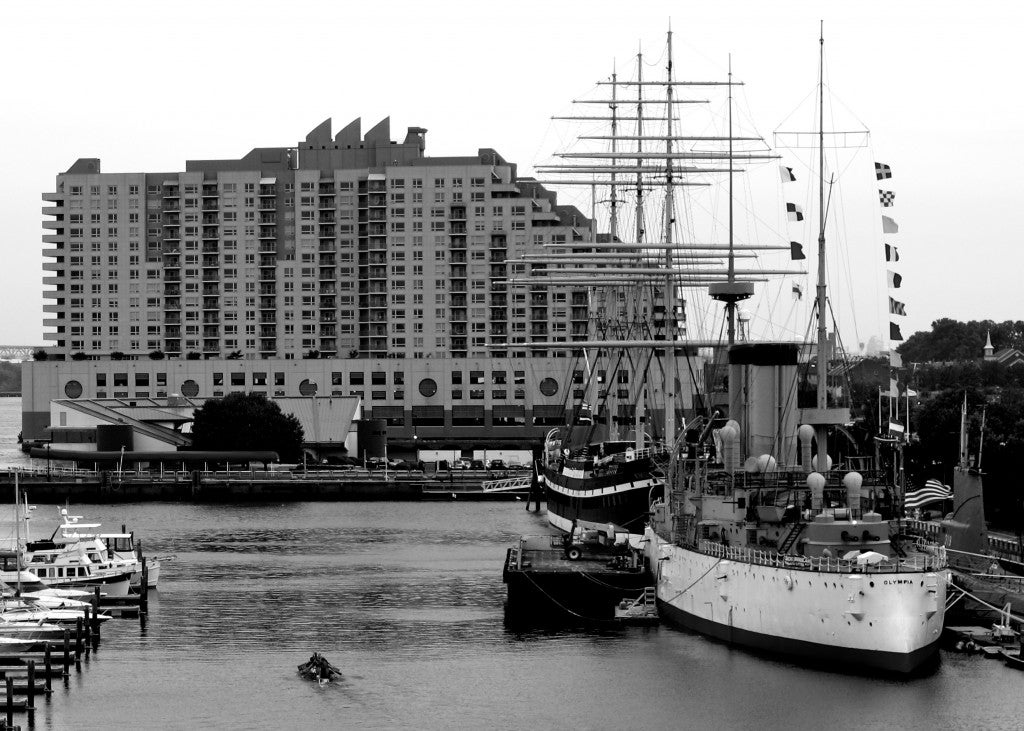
[[989, 350]]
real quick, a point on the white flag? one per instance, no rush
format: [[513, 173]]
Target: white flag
[[889, 226]]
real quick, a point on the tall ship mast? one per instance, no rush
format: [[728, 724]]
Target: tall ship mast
[[594, 469], [763, 545]]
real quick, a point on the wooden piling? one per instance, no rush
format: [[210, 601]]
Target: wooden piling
[[79, 648], [32, 684], [144, 589], [48, 665], [67, 652], [95, 617], [10, 701], [88, 618]]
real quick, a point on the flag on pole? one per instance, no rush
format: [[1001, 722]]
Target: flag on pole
[[795, 212], [933, 491], [887, 198], [894, 332], [786, 174], [895, 280], [891, 253], [895, 359], [798, 291], [889, 226], [882, 171], [894, 388], [796, 251], [895, 427], [897, 308]]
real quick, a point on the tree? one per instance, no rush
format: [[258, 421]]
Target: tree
[[156, 355], [40, 355], [244, 422]]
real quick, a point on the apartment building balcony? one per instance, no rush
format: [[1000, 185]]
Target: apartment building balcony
[[58, 211], [373, 331], [211, 233], [54, 280], [267, 261], [326, 232], [539, 329], [458, 285], [211, 332], [457, 228], [211, 302], [457, 314], [172, 290], [326, 217], [53, 266], [327, 259], [268, 347], [328, 246], [499, 314], [538, 298], [498, 271], [578, 330], [268, 303], [457, 243], [373, 302], [458, 271], [579, 313], [53, 238], [211, 319], [377, 198], [326, 203], [328, 345], [172, 303], [268, 332], [267, 232], [211, 346], [328, 317], [327, 274], [267, 190], [372, 317], [539, 313], [458, 347], [457, 213], [372, 288], [459, 328], [268, 219], [172, 345], [498, 256], [172, 331], [54, 197], [172, 234], [267, 247], [457, 257], [171, 216], [326, 188], [328, 331], [268, 318], [211, 262], [171, 192], [458, 300], [210, 248]]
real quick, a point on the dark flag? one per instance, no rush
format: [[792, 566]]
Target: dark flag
[[894, 332], [796, 251], [786, 174], [897, 308], [795, 212], [798, 291], [882, 171], [891, 253], [895, 280], [887, 198]]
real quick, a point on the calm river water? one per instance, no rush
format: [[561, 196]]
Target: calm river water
[[407, 600]]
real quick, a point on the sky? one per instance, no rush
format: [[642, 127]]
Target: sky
[[145, 86]]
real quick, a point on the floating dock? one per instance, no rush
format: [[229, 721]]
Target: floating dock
[[556, 579]]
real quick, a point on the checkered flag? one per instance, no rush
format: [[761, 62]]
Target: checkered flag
[[887, 197], [882, 171]]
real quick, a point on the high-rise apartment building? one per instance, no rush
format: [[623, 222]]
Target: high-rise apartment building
[[390, 266], [350, 246]]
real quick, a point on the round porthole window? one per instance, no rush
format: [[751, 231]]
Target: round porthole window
[[190, 389], [72, 389], [428, 387], [307, 388], [549, 387]]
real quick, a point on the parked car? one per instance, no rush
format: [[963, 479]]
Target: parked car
[[477, 464], [497, 464], [462, 464]]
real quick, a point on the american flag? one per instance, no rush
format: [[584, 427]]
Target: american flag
[[932, 491]]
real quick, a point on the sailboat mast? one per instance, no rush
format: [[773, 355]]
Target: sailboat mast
[[613, 224], [730, 307], [638, 402], [669, 292], [822, 359]]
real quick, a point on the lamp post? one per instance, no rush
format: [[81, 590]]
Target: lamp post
[[47, 462], [120, 464]]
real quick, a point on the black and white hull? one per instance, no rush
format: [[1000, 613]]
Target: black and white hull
[[622, 497]]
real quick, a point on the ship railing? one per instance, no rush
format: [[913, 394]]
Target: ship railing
[[52, 470], [822, 564]]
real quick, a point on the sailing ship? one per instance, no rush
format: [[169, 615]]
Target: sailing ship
[[589, 472], [774, 549]]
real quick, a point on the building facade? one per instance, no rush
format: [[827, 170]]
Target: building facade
[[349, 265]]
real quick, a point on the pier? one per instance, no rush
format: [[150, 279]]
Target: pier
[[60, 484]]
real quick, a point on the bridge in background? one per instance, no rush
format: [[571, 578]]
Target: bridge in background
[[18, 352]]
